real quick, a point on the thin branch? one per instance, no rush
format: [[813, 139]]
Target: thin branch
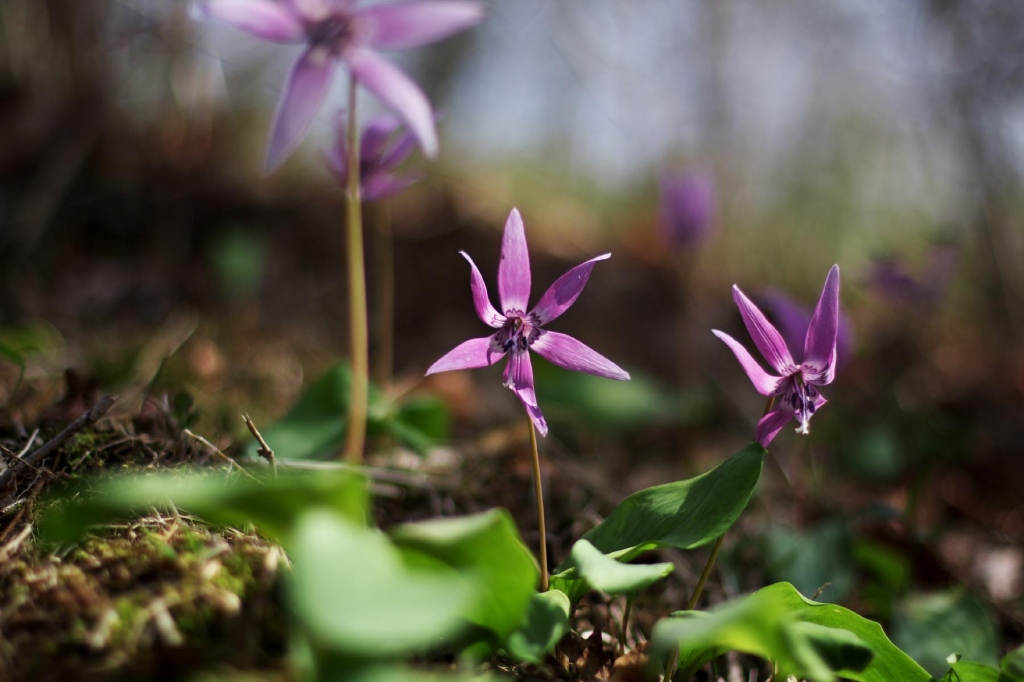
[[220, 453], [264, 450]]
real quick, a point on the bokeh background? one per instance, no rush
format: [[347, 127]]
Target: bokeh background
[[143, 251]]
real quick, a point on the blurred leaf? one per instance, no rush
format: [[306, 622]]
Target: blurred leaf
[[272, 505], [1013, 664], [11, 353], [238, 258], [488, 548], [37, 336], [888, 574], [685, 514], [972, 671], [546, 622], [610, 576], [811, 558], [931, 627], [315, 426], [354, 594]]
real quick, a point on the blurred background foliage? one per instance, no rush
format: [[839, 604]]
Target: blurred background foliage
[[142, 251]]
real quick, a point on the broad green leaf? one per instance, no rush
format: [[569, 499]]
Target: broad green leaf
[[760, 624], [486, 547], [1013, 664], [930, 627], [271, 505], [972, 671], [612, 577], [685, 514], [315, 426], [546, 622], [354, 594]]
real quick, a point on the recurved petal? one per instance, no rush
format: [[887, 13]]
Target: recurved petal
[[819, 362], [764, 383], [467, 355], [519, 378], [514, 267], [567, 352], [770, 425], [766, 337], [398, 92], [399, 26], [304, 94], [263, 19], [564, 292], [481, 301]]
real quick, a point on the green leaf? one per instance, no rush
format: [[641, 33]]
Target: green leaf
[[931, 627], [812, 558], [272, 505], [546, 622], [612, 577], [685, 514], [972, 671], [1013, 664], [486, 547], [760, 624], [11, 353], [354, 594]]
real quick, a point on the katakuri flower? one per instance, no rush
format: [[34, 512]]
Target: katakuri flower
[[520, 331], [383, 145], [796, 390], [687, 209], [335, 31], [793, 319]]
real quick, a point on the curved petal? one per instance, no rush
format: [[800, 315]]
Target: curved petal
[[398, 92], [519, 378], [399, 151], [263, 19], [567, 352], [375, 137], [770, 425], [377, 186], [766, 337], [764, 383], [304, 94], [820, 343], [564, 292], [400, 26], [481, 301], [514, 267], [467, 355]]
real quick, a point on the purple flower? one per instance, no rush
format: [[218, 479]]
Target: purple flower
[[795, 391], [687, 208], [891, 278], [334, 30], [382, 147], [793, 319], [520, 331]]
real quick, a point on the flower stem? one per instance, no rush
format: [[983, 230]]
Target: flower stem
[[539, 494], [355, 440], [384, 318], [624, 639], [707, 571]]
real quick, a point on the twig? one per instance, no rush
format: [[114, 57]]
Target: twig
[[217, 451], [34, 459], [264, 450]]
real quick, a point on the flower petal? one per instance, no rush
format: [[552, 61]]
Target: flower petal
[[765, 336], [375, 137], [514, 267], [770, 425], [400, 150], [764, 383], [377, 186], [403, 25], [820, 343], [519, 378], [467, 355], [304, 94], [398, 92], [567, 352], [318, 10], [564, 292], [481, 301], [263, 19]]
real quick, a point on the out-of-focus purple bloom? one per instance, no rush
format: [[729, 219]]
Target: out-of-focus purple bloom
[[796, 395], [891, 278], [519, 331], [687, 208], [335, 31], [383, 146], [793, 319]]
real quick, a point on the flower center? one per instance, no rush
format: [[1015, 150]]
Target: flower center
[[333, 33], [516, 335], [802, 398]]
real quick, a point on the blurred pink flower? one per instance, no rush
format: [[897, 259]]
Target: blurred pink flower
[[335, 31], [520, 331], [890, 277], [687, 210], [795, 390], [382, 146]]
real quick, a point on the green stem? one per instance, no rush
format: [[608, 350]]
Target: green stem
[[539, 494], [624, 639], [707, 572], [355, 440]]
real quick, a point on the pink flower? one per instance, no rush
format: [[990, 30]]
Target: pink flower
[[382, 146], [518, 332], [796, 392], [335, 31]]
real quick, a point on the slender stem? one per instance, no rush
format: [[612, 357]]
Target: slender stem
[[624, 639], [707, 571], [539, 494], [384, 319], [355, 440]]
